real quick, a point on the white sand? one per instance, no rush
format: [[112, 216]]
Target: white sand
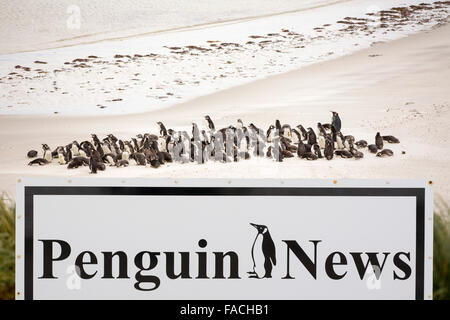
[[398, 88]]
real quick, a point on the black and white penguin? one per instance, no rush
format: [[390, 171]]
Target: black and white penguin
[[47, 152], [286, 131], [344, 154], [322, 135], [329, 150], [32, 154], [109, 158], [296, 136], [340, 141], [270, 134], [385, 153], [372, 148], [336, 121], [263, 253], [312, 139], [356, 154], [278, 126], [361, 143], [139, 158], [39, 161], [210, 123], [303, 132], [391, 139], [379, 141], [61, 158], [309, 156], [78, 162], [122, 163], [195, 132], [240, 124], [93, 165], [317, 152], [301, 149], [162, 129]]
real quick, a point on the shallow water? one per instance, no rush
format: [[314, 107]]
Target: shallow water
[[26, 24]]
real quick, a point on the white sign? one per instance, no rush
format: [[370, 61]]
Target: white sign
[[221, 239]]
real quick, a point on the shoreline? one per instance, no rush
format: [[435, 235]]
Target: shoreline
[[166, 31], [399, 88], [140, 75]]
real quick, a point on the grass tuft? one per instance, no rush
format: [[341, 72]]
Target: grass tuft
[[7, 247], [441, 251]]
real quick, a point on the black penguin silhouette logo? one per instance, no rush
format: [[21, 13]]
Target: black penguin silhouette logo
[[268, 253]]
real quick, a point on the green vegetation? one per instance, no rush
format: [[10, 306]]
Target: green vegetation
[[7, 247], [441, 251], [441, 262]]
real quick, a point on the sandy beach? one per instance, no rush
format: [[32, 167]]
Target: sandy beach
[[398, 88]]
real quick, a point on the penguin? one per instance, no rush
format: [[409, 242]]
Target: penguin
[[162, 143], [317, 152], [340, 140], [240, 124], [122, 163], [379, 141], [286, 131], [309, 156], [109, 158], [270, 133], [195, 132], [329, 152], [321, 129], [93, 165], [125, 155], [139, 158], [210, 123], [278, 126], [301, 149], [32, 154], [78, 162], [344, 154], [385, 153], [336, 121], [391, 139], [356, 154], [361, 143], [321, 139], [268, 253], [372, 148], [82, 153], [348, 142], [39, 161], [165, 156], [105, 148], [296, 137], [286, 154], [162, 129], [61, 159], [47, 153], [312, 139], [303, 132]]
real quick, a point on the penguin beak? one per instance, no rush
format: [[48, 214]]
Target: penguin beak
[[256, 226]]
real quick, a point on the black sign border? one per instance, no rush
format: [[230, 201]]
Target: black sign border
[[418, 193]]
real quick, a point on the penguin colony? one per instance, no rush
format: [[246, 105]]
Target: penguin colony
[[232, 143]]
